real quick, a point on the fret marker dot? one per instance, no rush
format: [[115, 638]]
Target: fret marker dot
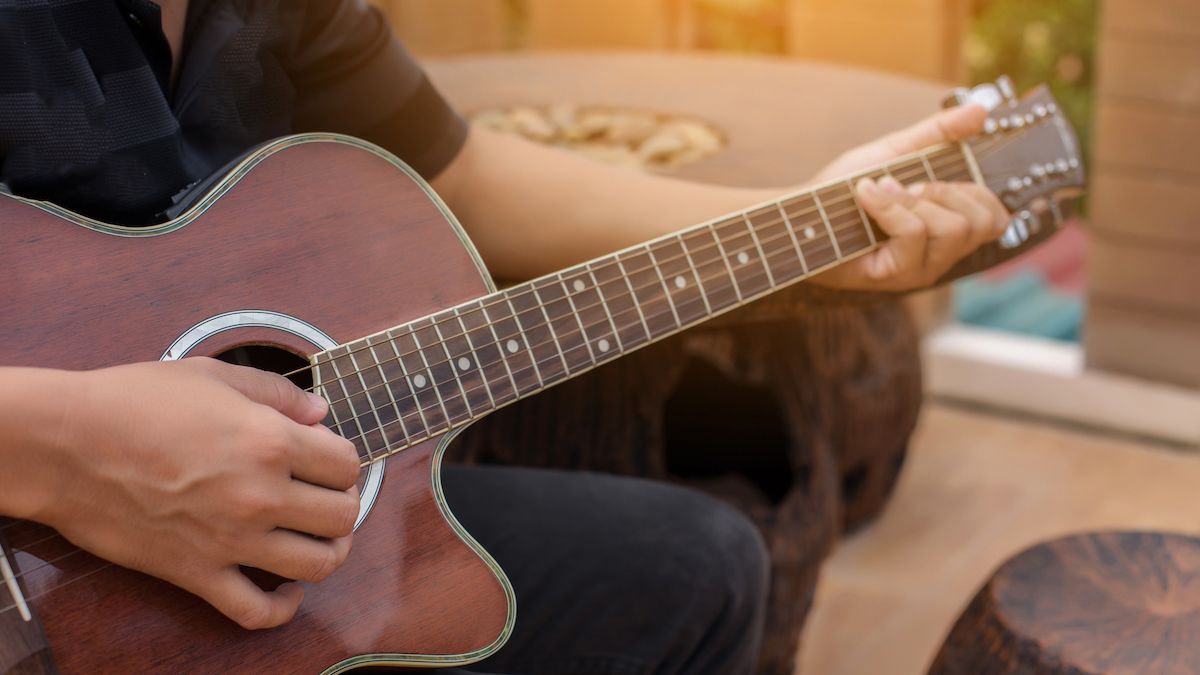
[[464, 363], [743, 258], [603, 345], [680, 282], [419, 381], [578, 286], [512, 346], [809, 233]]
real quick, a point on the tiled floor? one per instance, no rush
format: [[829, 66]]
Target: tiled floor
[[978, 489]]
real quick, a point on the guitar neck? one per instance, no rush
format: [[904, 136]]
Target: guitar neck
[[416, 381]]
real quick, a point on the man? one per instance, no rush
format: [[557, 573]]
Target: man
[[187, 470]]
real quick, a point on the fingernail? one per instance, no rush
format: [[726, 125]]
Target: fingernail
[[317, 400], [916, 190], [891, 185]]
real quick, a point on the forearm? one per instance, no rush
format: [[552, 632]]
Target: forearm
[[33, 404], [551, 209]]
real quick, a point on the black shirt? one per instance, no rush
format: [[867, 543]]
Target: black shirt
[[88, 118]]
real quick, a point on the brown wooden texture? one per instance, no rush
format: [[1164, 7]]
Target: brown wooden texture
[[1145, 255], [285, 238], [23, 646], [1115, 327], [1094, 604]]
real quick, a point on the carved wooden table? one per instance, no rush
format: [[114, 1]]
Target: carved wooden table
[[1116, 603]]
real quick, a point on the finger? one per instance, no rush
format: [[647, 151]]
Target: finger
[[946, 126], [959, 198], [1000, 213], [318, 511], [298, 556], [888, 203], [949, 238], [276, 391], [235, 596], [321, 457]]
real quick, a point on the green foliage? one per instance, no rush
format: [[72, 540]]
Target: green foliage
[[1035, 41]]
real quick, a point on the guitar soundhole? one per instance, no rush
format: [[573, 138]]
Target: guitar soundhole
[[272, 359]]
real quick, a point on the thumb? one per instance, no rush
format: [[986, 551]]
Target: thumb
[[946, 126], [275, 391]]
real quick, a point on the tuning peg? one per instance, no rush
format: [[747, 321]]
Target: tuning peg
[[1004, 85]]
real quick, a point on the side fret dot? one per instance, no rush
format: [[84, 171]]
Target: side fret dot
[[578, 286], [743, 258], [418, 381], [512, 346], [464, 363], [603, 345], [809, 233], [680, 282]]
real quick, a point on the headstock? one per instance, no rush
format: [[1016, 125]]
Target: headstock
[[1028, 155]]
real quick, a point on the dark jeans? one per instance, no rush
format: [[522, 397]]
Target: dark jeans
[[616, 575]]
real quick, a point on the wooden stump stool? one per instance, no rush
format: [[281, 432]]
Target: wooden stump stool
[[1116, 603]]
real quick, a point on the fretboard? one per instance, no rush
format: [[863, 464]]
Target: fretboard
[[414, 382]]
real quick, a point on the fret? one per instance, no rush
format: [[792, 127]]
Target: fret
[[929, 172], [379, 378], [628, 321], [733, 283], [842, 215], [776, 243], [481, 337], [681, 283], [713, 272], [464, 363], [422, 380], [648, 292], [862, 215], [546, 354], [515, 347], [591, 314], [443, 375], [347, 385], [695, 273], [576, 351], [367, 391], [787, 222], [663, 282], [408, 375], [603, 304], [761, 256], [829, 228], [816, 247], [749, 269], [340, 411]]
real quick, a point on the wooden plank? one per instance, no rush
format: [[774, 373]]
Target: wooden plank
[[1123, 339], [432, 27], [1165, 278], [1138, 67], [1156, 207], [586, 24], [1131, 134], [1166, 17]]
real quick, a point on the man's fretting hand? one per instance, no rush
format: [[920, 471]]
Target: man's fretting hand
[[187, 470], [930, 226]]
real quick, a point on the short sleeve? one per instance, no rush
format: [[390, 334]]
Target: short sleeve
[[353, 76]]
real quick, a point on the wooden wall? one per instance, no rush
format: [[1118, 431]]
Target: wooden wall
[[922, 38], [1144, 304]]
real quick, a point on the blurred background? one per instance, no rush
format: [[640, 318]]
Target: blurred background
[[1061, 389]]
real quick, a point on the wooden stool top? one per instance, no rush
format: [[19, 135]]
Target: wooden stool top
[[1093, 604]]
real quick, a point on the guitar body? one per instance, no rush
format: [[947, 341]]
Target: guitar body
[[309, 242]]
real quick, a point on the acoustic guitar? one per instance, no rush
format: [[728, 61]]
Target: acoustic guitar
[[328, 252]]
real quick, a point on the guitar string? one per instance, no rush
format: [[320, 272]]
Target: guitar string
[[951, 152], [823, 245], [449, 421], [885, 171]]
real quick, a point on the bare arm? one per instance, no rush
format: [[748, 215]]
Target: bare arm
[[532, 209]]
